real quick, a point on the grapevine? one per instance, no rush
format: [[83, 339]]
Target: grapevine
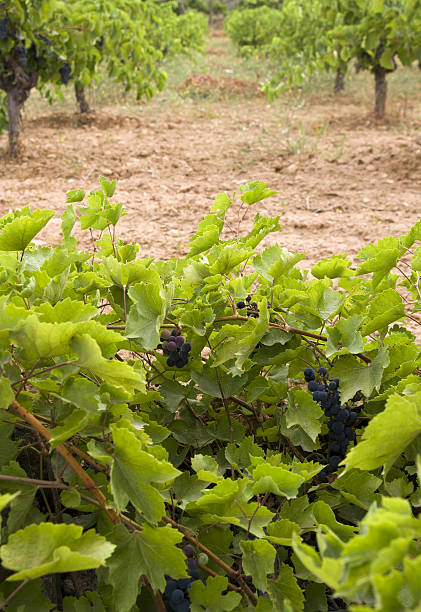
[[221, 431]]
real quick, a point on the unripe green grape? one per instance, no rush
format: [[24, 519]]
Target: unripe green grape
[[202, 559]]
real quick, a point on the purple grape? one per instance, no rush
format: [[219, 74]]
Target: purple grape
[[334, 461], [170, 587], [335, 447], [177, 597], [171, 346], [352, 417], [184, 584], [338, 427], [179, 341], [192, 564], [189, 551], [349, 433]]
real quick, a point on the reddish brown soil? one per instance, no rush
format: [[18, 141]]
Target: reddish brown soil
[[343, 179], [204, 84]]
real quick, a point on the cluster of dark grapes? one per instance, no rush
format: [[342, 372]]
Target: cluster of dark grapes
[[21, 55], [65, 73], [176, 594], [174, 345], [252, 308], [31, 55], [5, 31], [341, 419]]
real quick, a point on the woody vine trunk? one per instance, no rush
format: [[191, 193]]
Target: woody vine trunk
[[380, 91]]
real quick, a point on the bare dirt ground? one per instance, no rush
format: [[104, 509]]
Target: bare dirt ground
[[343, 179]]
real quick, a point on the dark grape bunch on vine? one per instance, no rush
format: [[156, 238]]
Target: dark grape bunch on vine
[[176, 594], [33, 58], [65, 73], [5, 31], [174, 345], [341, 418], [252, 308]]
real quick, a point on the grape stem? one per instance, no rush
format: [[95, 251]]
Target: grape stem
[[286, 328], [5, 603], [21, 412], [209, 571], [227, 569]]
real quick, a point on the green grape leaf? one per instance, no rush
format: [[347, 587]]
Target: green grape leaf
[[68, 220], [280, 532], [146, 314], [325, 300], [29, 598], [275, 262], [205, 240], [385, 308], [255, 192], [91, 601], [416, 260], [49, 548], [305, 412], [315, 599], [152, 552], [227, 503], [206, 468], [6, 498], [6, 394], [226, 257], [276, 479], [239, 456], [108, 186], [327, 570], [358, 487], [17, 234], [83, 394], [333, 267], [345, 335], [199, 319], [258, 561], [239, 342], [43, 340], [211, 597], [381, 444], [133, 470], [174, 394], [355, 377], [284, 589], [66, 310], [21, 505], [75, 195], [75, 422], [262, 226], [114, 372]]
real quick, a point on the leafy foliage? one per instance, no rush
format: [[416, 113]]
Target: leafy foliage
[[251, 28], [115, 464], [48, 43], [309, 36]]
